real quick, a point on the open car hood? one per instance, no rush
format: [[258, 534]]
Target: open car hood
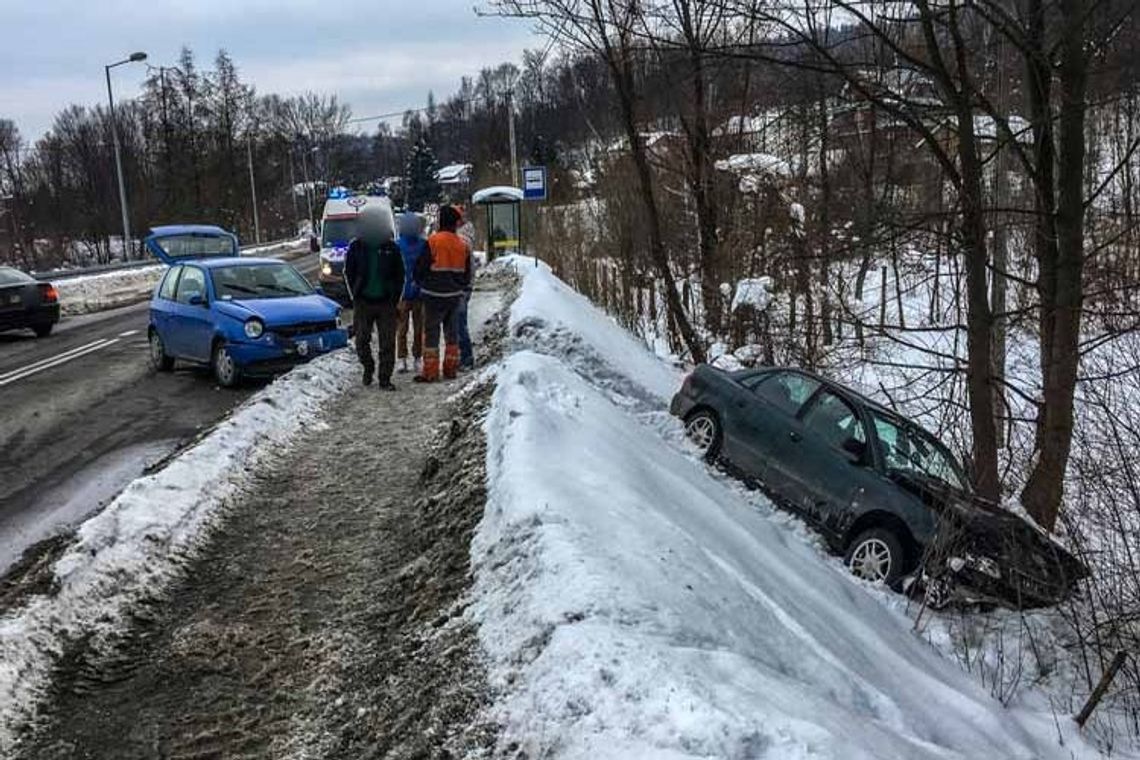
[[173, 243]]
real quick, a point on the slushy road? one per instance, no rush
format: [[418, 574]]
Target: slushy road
[[82, 414]]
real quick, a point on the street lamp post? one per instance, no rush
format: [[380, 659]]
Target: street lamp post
[[134, 58]]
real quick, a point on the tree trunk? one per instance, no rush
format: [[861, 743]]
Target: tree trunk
[[1045, 488], [701, 182], [623, 79], [979, 319]]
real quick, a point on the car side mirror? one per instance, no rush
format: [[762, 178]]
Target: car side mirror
[[858, 451], [314, 245], [197, 300]]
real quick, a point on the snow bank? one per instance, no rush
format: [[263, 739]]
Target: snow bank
[[631, 604], [138, 543], [108, 290]]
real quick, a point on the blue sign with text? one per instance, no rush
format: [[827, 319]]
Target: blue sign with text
[[534, 183]]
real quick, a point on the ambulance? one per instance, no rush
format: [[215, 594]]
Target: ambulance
[[338, 228]]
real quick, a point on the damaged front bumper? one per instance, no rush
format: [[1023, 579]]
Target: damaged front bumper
[[1024, 583]]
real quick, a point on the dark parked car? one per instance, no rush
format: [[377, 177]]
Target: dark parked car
[[884, 492], [27, 303]]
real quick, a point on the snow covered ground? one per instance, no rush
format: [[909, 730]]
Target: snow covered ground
[[139, 542], [632, 603], [107, 290]]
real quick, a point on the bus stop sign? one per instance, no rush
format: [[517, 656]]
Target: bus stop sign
[[534, 183]]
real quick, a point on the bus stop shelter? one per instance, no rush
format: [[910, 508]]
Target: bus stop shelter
[[504, 218]]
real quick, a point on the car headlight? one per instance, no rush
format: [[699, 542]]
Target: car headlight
[[340, 321], [254, 328], [326, 268]]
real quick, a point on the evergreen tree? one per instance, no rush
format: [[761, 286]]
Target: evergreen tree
[[422, 187]]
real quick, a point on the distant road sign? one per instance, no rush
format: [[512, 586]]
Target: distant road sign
[[534, 183]]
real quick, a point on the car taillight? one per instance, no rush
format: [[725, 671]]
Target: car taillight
[[48, 293], [687, 383]]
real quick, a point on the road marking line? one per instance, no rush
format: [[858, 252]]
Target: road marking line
[[129, 333], [50, 359], [97, 346]]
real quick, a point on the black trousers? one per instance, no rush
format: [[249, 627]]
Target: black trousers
[[382, 318], [439, 317]]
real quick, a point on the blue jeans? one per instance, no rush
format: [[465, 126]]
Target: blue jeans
[[466, 350]]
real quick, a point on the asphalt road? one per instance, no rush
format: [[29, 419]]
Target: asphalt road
[[81, 414]]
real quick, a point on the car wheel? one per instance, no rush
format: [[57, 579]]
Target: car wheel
[[876, 555], [159, 359], [226, 370], [703, 429], [44, 330]]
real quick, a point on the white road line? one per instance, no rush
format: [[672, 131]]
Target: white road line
[[129, 333], [51, 359], [21, 374]]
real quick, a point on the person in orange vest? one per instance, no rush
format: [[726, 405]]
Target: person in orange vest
[[443, 276]]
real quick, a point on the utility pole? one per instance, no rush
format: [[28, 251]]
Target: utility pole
[[514, 146], [252, 186], [134, 57], [308, 193]]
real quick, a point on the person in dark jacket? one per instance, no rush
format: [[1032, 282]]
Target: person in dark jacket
[[412, 247], [374, 274], [443, 275]]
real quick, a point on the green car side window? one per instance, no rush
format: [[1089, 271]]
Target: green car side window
[[787, 391], [834, 420]]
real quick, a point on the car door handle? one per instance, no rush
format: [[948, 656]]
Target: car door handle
[[796, 437]]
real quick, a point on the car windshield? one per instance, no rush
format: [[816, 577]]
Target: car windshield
[[196, 246], [9, 276], [909, 450], [337, 231], [259, 281]]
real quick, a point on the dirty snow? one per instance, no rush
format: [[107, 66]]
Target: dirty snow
[[137, 544], [634, 604]]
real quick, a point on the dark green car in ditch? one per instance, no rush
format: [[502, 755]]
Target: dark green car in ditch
[[886, 494]]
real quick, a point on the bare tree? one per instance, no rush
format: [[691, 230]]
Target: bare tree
[[608, 29]]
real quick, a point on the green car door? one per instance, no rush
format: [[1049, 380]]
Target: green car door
[[833, 475], [770, 427]]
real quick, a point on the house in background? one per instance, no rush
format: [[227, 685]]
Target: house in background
[[455, 180]]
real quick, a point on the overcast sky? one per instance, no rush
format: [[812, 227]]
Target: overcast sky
[[376, 55]]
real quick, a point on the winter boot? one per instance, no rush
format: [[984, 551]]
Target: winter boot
[[430, 371], [419, 366], [451, 361], [367, 378], [403, 365]]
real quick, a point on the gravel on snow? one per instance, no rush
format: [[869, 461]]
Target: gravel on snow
[[324, 619]]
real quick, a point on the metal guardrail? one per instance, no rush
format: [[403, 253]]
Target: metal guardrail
[[65, 274]]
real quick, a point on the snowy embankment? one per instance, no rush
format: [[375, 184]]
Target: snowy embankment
[[632, 603], [107, 290], [135, 546]]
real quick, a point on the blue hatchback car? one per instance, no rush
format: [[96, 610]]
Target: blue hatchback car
[[240, 316]]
